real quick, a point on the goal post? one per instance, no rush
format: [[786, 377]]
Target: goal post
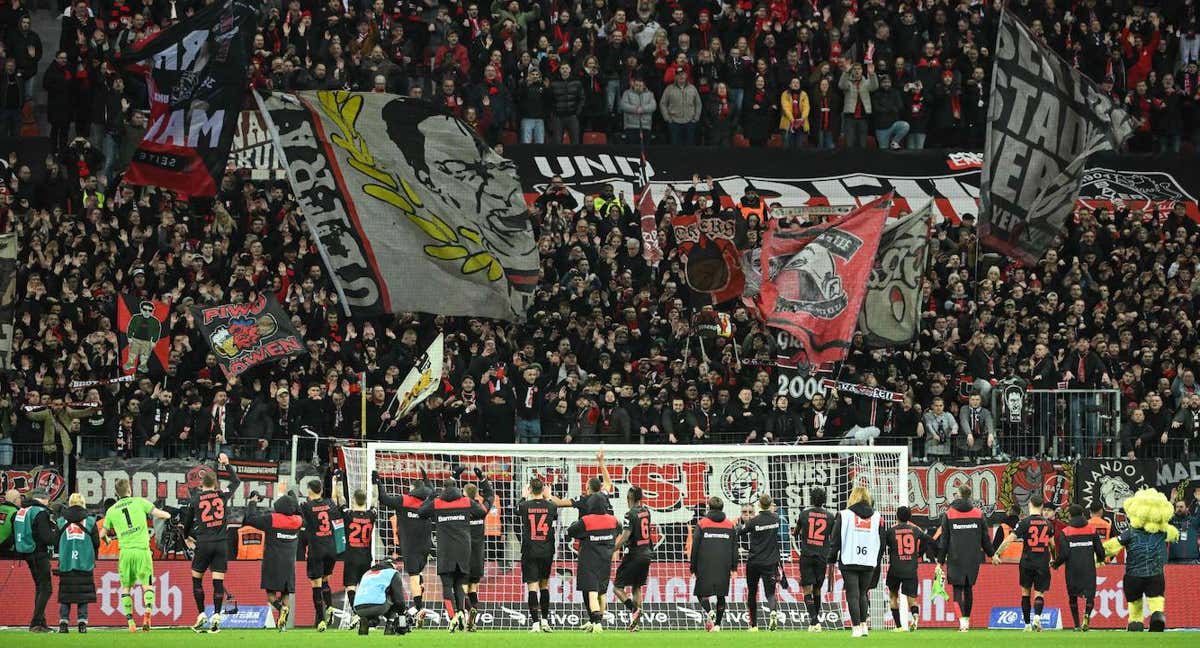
[[676, 482]]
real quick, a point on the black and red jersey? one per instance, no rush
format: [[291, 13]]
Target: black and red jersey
[[1038, 534], [358, 525], [538, 517], [812, 532], [637, 522], [904, 549], [208, 513]]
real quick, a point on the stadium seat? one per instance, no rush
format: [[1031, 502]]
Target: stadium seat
[[594, 138]]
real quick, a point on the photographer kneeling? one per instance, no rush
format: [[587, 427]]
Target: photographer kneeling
[[381, 596]]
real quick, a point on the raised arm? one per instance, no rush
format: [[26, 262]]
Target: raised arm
[[234, 481], [606, 481], [478, 511], [390, 501]]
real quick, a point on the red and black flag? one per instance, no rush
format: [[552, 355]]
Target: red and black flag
[[143, 335], [707, 244], [815, 280], [196, 80]]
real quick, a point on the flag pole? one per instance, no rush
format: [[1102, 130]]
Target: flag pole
[[362, 399]]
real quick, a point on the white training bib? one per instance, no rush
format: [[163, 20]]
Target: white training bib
[[860, 539]]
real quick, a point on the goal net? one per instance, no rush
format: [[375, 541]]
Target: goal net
[[676, 482]]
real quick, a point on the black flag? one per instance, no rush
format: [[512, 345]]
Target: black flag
[[1044, 121], [196, 80]]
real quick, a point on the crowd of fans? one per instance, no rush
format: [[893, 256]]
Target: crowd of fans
[[614, 348], [790, 73]]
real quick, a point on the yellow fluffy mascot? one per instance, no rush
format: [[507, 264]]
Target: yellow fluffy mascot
[[1145, 544]]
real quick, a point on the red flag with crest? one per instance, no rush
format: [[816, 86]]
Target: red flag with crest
[[815, 280]]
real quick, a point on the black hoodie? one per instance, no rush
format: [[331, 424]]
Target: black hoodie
[[864, 511], [714, 554], [416, 534], [1080, 548], [452, 512], [964, 541]]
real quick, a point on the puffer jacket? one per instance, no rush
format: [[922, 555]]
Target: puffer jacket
[[566, 97]]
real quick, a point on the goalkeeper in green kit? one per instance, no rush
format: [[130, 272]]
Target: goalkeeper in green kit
[[126, 519]]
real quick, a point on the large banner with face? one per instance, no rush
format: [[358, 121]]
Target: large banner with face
[[411, 209]]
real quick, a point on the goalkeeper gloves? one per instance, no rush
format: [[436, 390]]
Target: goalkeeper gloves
[[939, 583], [375, 477], [479, 474]]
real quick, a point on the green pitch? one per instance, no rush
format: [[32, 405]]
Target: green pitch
[[102, 638]]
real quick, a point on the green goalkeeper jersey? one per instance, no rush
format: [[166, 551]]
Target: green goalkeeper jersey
[[128, 518]]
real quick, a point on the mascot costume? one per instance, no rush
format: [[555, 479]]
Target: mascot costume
[[1145, 544]]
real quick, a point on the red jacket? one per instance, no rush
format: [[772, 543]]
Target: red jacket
[[1139, 61]]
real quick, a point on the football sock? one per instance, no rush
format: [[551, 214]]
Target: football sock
[[1025, 608], [706, 604], [811, 604], [148, 597], [198, 593], [544, 597], [327, 594], [218, 596], [419, 602], [318, 603], [629, 605], [350, 597], [1039, 604], [1073, 603], [896, 616], [1088, 605], [532, 600], [127, 605], [720, 609], [449, 607], [472, 600]]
